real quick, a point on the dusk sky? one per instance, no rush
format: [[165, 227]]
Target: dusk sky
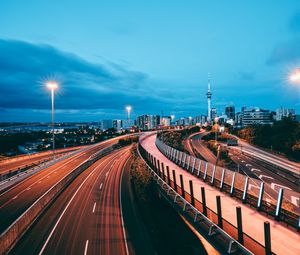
[[153, 55]]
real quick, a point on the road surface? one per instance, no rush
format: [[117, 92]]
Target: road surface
[[87, 218], [31, 160], [17, 199], [255, 168], [284, 240]]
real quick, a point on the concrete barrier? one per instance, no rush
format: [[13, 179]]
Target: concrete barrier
[[16, 230]]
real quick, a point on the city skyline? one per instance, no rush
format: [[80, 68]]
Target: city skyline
[[127, 58]]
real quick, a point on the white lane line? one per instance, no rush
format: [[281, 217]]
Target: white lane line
[[40, 181], [100, 187], [94, 207], [59, 219], [15, 197], [28, 188], [120, 201], [248, 165], [106, 174], [86, 247], [255, 169]]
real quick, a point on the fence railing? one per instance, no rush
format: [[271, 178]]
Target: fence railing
[[232, 238], [253, 192]]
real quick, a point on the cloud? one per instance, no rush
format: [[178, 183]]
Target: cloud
[[288, 52], [85, 85]]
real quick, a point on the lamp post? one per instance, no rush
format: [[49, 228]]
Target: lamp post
[[128, 109], [295, 78], [52, 85], [172, 118]]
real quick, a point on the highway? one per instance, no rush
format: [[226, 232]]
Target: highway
[[27, 161], [272, 158], [87, 218], [284, 240], [255, 168], [17, 199]]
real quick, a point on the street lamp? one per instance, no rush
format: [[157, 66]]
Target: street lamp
[[128, 109], [295, 76], [172, 119], [52, 85]]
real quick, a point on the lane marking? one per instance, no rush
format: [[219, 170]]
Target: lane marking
[[106, 174], [255, 169], [100, 187], [62, 214], [15, 197], [94, 207], [28, 188], [274, 185], [248, 165], [86, 247], [64, 211], [265, 176]]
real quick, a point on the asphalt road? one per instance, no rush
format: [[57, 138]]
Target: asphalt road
[[87, 217], [272, 158], [255, 168], [195, 141], [284, 240], [17, 199], [30, 160]]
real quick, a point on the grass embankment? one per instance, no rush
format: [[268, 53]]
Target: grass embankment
[[167, 231]]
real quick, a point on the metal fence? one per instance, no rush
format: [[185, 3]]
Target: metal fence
[[228, 235], [250, 191]]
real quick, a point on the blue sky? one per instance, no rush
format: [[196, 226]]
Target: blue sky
[[153, 55]]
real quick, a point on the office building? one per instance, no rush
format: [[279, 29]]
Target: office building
[[230, 112], [106, 124], [285, 113], [213, 113], [256, 116]]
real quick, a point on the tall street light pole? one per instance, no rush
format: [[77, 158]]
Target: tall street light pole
[[295, 78], [128, 109], [52, 85]]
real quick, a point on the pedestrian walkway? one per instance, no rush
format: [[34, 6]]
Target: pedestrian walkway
[[284, 240]]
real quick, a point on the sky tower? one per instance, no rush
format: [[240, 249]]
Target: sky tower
[[208, 100]]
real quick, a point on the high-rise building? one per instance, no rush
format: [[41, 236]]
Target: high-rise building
[[213, 113], [256, 116], [285, 113], [117, 124], [230, 112], [238, 119], [208, 94], [106, 124], [147, 121], [166, 121], [127, 124]]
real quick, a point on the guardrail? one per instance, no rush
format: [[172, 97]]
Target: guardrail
[[201, 217], [16, 230], [250, 191]]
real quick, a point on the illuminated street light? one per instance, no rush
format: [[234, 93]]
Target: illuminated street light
[[52, 85], [295, 76], [172, 118], [128, 109]]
